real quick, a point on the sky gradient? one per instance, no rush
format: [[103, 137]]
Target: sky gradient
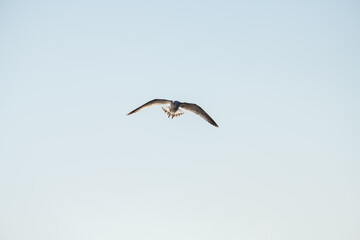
[[281, 79]]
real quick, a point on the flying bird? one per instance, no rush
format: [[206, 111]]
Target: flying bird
[[173, 109]]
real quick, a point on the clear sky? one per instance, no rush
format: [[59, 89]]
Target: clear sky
[[281, 78]]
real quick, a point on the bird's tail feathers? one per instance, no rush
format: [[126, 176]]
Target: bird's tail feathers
[[172, 115]]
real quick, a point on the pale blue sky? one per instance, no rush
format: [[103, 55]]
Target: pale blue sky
[[281, 78]]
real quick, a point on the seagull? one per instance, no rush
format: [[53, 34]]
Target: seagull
[[174, 111]]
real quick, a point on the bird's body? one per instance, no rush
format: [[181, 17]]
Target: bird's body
[[173, 109]]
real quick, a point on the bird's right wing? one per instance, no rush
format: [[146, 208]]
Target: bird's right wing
[[198, 111], [149, 104]]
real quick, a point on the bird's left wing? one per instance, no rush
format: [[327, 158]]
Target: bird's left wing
[[199, 111], [149, 104]]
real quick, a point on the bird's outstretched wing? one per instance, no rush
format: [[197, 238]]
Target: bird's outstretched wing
[[149, 104], [199, 111]]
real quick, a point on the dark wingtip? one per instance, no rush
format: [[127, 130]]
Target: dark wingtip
[[214, 124]]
